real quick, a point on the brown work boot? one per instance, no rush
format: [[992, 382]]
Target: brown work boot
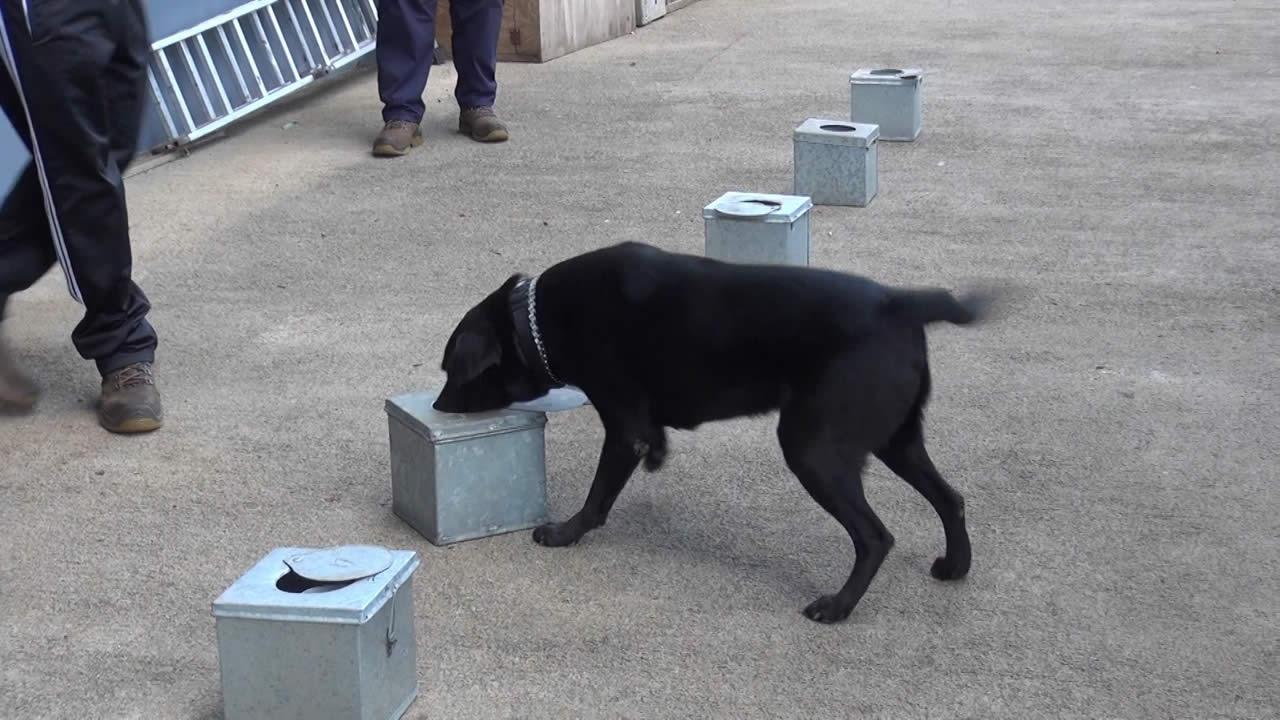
[[482, 125], [16, 389], [130, 401], [396, 138]]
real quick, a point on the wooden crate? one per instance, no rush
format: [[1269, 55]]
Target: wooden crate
[[648, 11], [542, 30], [674, 5]]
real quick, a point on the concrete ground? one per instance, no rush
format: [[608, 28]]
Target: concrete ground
[[1114, 433]]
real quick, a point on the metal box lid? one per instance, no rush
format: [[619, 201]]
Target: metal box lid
[[887, 76], [340, 585], [415, 411], [556, 399], [760, 207], [837, 132]]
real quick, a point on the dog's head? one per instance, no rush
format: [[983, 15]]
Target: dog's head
[[485, 370]]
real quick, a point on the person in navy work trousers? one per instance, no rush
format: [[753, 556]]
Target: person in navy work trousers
[[72, 83], [406, 40]]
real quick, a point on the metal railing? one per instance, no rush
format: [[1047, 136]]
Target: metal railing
[[207, 76]]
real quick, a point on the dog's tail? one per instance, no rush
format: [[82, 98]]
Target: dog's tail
[[933, 305]]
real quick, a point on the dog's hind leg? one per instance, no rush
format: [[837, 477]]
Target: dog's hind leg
[[832, 473], [906, 456]]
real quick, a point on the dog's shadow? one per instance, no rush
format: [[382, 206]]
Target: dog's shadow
[[646, 527], [797, 566]]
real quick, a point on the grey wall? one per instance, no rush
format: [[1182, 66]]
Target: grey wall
[[166, 17]]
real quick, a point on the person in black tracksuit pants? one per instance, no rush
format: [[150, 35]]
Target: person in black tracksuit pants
[[73, 83]]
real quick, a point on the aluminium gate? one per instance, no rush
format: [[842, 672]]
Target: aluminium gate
[[210, 75]]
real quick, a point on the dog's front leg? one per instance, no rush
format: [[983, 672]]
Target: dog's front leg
[[618, 460]]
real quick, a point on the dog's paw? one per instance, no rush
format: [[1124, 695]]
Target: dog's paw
[[828, 609], [556, 534], [945, 569]]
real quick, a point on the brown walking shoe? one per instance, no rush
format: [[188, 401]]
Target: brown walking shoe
[[396, 138], [130, 401], [482, 124], [16, 389]]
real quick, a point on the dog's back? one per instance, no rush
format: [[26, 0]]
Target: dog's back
[[707, 340]]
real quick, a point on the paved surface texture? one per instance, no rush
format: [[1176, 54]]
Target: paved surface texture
[[1116, 162]]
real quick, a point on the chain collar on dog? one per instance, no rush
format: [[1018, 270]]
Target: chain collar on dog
[[524, 308]]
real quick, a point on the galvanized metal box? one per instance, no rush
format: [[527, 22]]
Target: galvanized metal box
[[758, 228], [460, 477], [319, 634], [835, 162], [890, 98]]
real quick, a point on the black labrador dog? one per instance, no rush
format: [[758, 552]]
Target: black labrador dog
[[660, 340]]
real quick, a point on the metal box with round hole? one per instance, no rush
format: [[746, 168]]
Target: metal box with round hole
[[890, 98], [459, 477], [836, 162], [320, 634], [762, 228]]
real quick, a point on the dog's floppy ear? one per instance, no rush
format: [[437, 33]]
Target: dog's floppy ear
[[474, 351]]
